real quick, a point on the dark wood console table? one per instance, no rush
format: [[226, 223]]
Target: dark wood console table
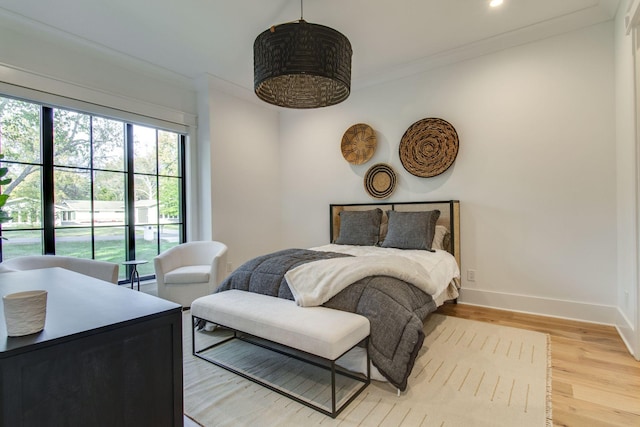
[[107, 356]]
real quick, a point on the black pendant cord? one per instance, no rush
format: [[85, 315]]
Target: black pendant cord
[[301, 11]]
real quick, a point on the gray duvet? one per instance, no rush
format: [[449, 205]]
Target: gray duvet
[[395, 309]]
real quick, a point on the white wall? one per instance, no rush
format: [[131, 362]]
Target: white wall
[[239, 173], [626, 168], [535, 174]]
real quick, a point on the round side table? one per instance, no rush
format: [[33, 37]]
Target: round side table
[[134, 270]]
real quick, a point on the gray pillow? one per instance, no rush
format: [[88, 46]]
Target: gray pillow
[[359, 227], [411, 230]]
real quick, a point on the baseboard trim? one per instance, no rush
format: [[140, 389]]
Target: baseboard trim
[[572, 310], [628, 334]]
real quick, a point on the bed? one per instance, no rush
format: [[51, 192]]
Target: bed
[[393, 263]]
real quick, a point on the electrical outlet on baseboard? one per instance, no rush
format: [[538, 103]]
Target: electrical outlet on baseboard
[[471, 275]]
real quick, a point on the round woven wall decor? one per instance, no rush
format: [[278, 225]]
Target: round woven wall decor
[[358, 144], [428, 147], [380, 181]]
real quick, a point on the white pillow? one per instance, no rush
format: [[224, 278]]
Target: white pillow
[[438, 237]]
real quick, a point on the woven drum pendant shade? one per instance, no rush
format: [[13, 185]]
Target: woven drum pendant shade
[[302, 65]]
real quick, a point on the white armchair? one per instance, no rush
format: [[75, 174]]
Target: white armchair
[[103, 270], [190, 270]]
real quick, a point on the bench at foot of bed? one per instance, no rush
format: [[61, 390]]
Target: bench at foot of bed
[[317, 335]]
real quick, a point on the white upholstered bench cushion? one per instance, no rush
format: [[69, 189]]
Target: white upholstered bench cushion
[[322, 331], [188, 274]]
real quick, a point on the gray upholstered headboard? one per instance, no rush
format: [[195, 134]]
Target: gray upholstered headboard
[[449, 217]]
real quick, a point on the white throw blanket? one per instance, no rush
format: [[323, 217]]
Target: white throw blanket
[[315, 283]]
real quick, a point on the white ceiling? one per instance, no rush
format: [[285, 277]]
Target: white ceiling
[[390, 39]]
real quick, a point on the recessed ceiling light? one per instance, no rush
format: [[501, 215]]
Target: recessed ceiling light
[[495, 3]]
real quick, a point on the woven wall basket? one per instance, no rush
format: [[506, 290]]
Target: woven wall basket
[[358, 144], [380, 181], [428, 147]]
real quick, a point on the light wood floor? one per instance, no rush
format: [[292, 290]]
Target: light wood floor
[[596, 382]]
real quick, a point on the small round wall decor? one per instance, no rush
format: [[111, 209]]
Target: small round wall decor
[[380, 181], [429, 147], [358, 144]]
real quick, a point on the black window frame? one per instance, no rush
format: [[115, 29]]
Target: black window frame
[[48, 200]]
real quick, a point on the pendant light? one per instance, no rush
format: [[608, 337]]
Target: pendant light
[[302, 65]]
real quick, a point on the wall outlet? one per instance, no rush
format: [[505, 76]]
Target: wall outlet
[[229, 267], [471, 275]]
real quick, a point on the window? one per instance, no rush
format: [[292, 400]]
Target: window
[[89, 186]]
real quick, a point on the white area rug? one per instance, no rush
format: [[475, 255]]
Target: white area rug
[[468, 373]]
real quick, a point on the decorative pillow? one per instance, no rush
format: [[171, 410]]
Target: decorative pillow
[[359, 227], [438, 238], [411, 230]]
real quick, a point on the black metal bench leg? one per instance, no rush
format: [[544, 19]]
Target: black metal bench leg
[[333, 389]]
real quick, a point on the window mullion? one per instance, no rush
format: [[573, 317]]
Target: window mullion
[[130, 196], [92, 191], [158, 220], [182, 189], [48, 198]]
